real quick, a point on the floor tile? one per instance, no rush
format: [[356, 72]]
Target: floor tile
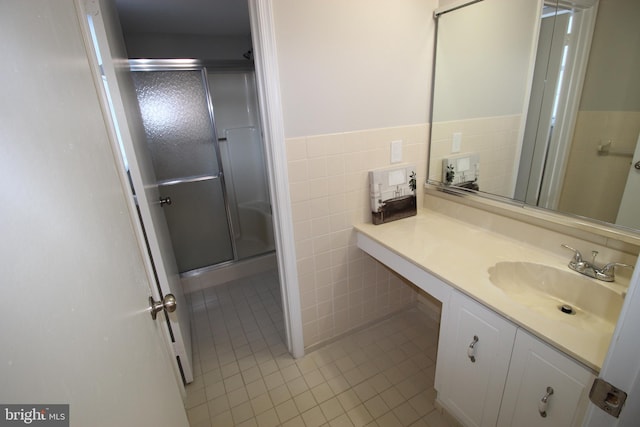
[[268, 419], [297, 386], [379, 376], [305, 401], [280, 394], [376, 406], [295, 422], [322, 392], [313, 417], [261, 403], [287, 410], [331, 408], [360, 416]]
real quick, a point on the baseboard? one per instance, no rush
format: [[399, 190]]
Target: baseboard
[[450, 419], [318, 345]]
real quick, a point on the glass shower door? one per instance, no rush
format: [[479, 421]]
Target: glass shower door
[[235, 105], [180, 134]]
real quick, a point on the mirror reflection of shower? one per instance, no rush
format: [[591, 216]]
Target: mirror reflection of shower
[[203, 130]]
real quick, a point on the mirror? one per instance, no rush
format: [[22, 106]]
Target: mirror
[[538, 102]]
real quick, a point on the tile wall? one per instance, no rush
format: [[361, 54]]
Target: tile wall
[[605, 175], [341, 287], [494, 138]]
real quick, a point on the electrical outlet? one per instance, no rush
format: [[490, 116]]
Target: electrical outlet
[[396, 151]]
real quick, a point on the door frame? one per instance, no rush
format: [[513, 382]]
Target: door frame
[[268, 87], [568, 103]]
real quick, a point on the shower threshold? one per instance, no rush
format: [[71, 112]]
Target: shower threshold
[[218, 274]]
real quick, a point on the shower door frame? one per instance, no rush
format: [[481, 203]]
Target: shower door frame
[[168, 65]]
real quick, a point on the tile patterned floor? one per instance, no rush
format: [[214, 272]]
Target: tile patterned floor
[[380, 376]]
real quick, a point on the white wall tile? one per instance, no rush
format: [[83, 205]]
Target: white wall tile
[[330, 192]]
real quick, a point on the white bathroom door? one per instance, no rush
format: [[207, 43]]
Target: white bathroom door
[[75, 321], [629, 212], [126, 116]]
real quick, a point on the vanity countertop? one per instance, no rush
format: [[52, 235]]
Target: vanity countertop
[[460, 255]]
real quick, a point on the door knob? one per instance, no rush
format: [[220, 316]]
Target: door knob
[[165, 201], [167, 303], [637, 165]]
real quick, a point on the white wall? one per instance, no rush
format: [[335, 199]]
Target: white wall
[[355, 75], [614, 48], [353, 65]]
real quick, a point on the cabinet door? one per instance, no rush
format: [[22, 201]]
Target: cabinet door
[[535, 366], [474, 361]]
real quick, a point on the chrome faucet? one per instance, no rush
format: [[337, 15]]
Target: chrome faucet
[[605, 273]]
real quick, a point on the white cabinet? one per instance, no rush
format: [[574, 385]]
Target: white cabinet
[[473, 360], [490, 372], [539, 372]]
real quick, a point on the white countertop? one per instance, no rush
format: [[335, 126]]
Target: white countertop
[[460, 254]]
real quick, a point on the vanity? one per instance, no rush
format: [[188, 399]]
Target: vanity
[[528, 159], [506, 357]]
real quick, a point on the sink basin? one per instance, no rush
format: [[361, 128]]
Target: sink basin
[[557, 293]]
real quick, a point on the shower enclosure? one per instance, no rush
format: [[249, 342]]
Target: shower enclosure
[[203, 131]]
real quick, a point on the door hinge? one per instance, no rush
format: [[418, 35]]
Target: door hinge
[[607, 397]]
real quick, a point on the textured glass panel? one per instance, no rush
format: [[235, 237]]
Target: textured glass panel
[[198, 224], [176, 119]]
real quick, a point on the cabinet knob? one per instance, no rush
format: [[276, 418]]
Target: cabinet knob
[[544, 402], [471, 351]]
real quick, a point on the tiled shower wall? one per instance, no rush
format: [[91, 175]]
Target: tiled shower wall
[[341, 287]]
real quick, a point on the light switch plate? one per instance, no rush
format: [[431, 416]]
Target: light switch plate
[[396, 151], [457, 142]]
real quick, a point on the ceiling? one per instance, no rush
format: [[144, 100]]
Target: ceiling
[[206, 17]]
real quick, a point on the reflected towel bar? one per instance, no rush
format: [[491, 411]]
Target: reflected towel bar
[[604, 149]]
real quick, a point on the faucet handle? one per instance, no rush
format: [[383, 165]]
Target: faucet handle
[[609, 269], [577, 256]]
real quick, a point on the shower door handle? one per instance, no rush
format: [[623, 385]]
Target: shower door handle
[[165, 201]]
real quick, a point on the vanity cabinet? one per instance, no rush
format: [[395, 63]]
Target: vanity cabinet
[[473, 361], [492, 373], [544, 387]]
